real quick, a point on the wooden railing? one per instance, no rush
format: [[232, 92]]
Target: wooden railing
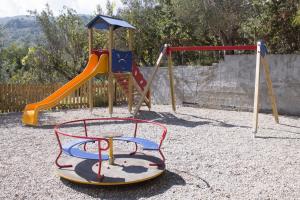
[[14, 97]]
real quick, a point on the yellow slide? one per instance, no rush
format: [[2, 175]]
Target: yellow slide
[[95, 66]]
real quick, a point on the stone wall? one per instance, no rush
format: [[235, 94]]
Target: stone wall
[[229, 84]]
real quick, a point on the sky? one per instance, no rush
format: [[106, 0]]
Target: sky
[[10, 8]]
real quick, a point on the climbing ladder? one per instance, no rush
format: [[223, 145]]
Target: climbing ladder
[[138, 85]]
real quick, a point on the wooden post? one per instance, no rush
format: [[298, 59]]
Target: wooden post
[[110, 74], [270, 88], [256, 91], [90, 83], [130, 77], [150, 79], [111, 151], [171, 77], [130, 92], [130, 41], [115, 92], [149, 105]]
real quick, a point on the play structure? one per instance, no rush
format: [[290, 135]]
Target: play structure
[[90, 157], [261, 60], [89, 154], [118, 65], [121, 68]]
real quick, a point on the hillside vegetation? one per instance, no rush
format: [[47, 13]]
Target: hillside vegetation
[[47, 48], [20, 30]]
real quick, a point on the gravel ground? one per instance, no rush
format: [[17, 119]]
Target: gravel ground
[[211, 154]]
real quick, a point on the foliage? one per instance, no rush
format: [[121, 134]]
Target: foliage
[[155, 25], [52, 49], [64, 42], [297, 18], [1, 38], [11, 66], [218, 21], [275, 25], [22, 30], [58, 55]]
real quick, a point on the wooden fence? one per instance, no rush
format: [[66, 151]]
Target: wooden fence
[[14, 97]]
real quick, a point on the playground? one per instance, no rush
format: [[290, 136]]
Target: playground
[[145, 151], [210, 154]]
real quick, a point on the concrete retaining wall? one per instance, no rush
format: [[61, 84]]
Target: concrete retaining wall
[[229, 84]]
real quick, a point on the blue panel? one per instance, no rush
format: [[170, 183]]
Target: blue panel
[[147, 144], [72, 149], [101, 26], [121, 61]]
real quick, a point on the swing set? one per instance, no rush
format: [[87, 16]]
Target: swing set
[[261, 60]]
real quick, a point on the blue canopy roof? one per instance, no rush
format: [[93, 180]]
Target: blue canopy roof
[[103, 22]]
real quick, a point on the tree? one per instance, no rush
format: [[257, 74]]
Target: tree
[[11, 66], [64, 46], [1, 37], [220, 19], [275, 25], [297, 18], [156, 25], [110, 7]]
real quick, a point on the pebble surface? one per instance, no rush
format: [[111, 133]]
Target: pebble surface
[[211, 154]]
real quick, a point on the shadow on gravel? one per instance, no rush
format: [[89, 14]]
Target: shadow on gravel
[[46, 120], [283, 131], [10, 119], [145, 189], [168, 118], [290, 125], [16, 119], [80, 123], [279, 138], [160, 117], [217, 122]]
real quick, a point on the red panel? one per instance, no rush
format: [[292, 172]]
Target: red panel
[[99, 52], [138, 76]]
